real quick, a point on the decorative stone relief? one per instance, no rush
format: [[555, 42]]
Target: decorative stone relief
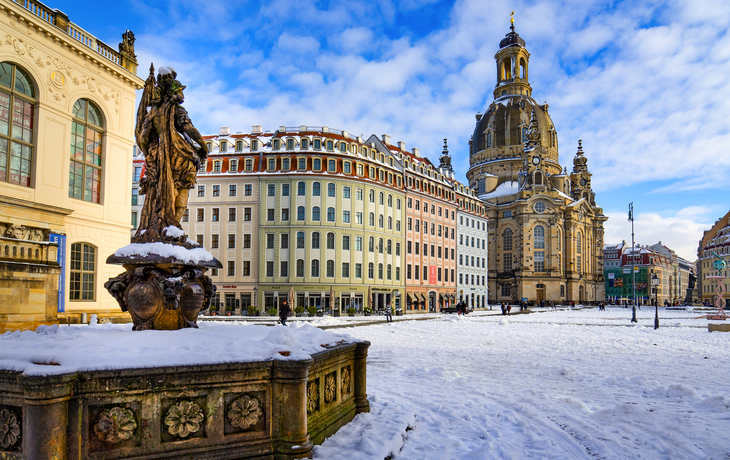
[[115, 425], [9, 429], [312, 396], [330, 387], [20, 232], [346, 377], [244, 412], [183, 419]]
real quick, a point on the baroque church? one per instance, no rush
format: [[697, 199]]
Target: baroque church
[[545, 229]]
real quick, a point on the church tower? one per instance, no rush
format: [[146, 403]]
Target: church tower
[[545, 232]]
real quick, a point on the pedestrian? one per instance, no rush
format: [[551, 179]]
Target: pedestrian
[[283, 312], [388, 314], [504, 310], [509, 308]]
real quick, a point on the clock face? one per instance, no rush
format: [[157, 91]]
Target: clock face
[[582, 182], [535, 160]]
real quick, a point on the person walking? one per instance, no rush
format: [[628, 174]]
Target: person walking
[[283, 312], [504, 309], [388, 314]]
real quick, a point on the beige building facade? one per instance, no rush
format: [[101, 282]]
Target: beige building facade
[[67, 104], [545, 233]]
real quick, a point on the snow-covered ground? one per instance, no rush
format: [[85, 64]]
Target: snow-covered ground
[[577, 384]]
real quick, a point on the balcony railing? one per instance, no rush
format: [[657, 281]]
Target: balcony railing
[[28, 252]]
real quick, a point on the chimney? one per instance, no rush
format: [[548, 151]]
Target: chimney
[[224, 131], [256, 129], [302, 128], [402, 146], [282, 129], [386, 139], [325, 129], [416, 152], [344, 134]]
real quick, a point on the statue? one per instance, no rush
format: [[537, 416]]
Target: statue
[[127, 45], [174, 151], [165, 285]]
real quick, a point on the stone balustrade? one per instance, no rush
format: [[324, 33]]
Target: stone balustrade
[[28, 252]]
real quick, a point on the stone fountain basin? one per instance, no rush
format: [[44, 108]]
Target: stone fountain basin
[[221, 391]]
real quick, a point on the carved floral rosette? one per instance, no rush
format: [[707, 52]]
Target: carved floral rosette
[[312, 396], [330, 387], [244, 412], [184, 419], [9, 429], [346, 380], [115, 425]]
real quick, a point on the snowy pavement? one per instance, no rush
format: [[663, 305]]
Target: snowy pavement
[[544, 386]]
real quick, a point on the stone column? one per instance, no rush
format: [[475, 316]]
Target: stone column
[[289, 433], [45, 422], [360, 377]]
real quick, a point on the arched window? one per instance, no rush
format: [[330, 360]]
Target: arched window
[[330, 189], [539, 237], [371, 195], [83, 272], [300, 240], [371, 219], [560, 245], [489, 139], [390, 201], [300, 213], [315, 268], [330, 214], [17, 122], [315, 240], [380, 271], [380, 221], [578, 243], [330, 240], [562, 291], [315, 189], [507, 239], [380, 245], [315, 213], [381, 197], [300, 268], [390, 223], [389, 247], [388, 273], [85, 173], [330, 269], [301, 189]]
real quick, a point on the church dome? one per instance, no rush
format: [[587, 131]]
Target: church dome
[[506, 123], [512, 39]]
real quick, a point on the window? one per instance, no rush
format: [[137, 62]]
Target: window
[[315, 240], [284, 189], [316, 164], [246, 268], [86, 147], [346, 167], [305, 144], [290, 144], [271, 190], [216, 166], [83, 270], [216, 190], [301, 189], [358, 243], [380, 221], [315, 189], [397, 249], [317, 144], [346, 217], [330, 269], [135, 196], [330, 145], [371, 270], [540, 237], [302, 164], [231, 268], [345, 243], [330, 214], [249, 164], [345, 269], [360, 170], [247, 214], [232, 190], [200, 215], [371, 244], [358, 218], [315, 268], [186, 215], [330, 240], [539, 261], [389, 247], [269, 268], [346, 192], [239, 146], [315, 213], [388, 273], [276, 144], [380, 196], [331, 166], [201, 191], [507, 261], [372, 196], [300, 240], [16, 136], [216, 215], [358, 194], [330, 189], [199, 239], [283, 268], [285, 164], [247, 190], [390, 223], [380, 271], [507, 240], [300, 268], [380, 246], [284, 237], [231, 241], [247, 241], [270, 241], [358, 270], [285, 214], [300, 213]]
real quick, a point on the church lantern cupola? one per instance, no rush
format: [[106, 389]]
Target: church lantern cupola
[[512, 65]]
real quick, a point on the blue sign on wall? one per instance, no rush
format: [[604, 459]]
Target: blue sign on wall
[[61, 259]]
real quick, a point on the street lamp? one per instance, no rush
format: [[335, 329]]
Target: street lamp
[[655, 283], [633, 263]]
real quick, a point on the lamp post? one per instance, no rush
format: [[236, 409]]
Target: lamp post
[[633, 264], [655, 283], [255, 296]]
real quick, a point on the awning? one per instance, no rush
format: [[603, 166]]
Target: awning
[[423, 297], [411, 297]]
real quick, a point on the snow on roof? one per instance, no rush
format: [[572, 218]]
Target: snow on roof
[[503, 189], [59, 350]]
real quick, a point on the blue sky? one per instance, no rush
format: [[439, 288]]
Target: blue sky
[[642, 83]]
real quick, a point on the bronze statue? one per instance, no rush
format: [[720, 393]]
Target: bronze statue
[[173, 149], [164, 286]]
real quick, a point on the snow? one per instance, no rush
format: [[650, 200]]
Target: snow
[[173, 231], [191, 256], [503, 189], [63, 349], [542, 386]]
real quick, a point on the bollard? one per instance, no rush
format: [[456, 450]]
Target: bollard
[[84, 319]]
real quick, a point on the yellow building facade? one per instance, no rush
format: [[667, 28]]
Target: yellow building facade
[[67, 104]]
